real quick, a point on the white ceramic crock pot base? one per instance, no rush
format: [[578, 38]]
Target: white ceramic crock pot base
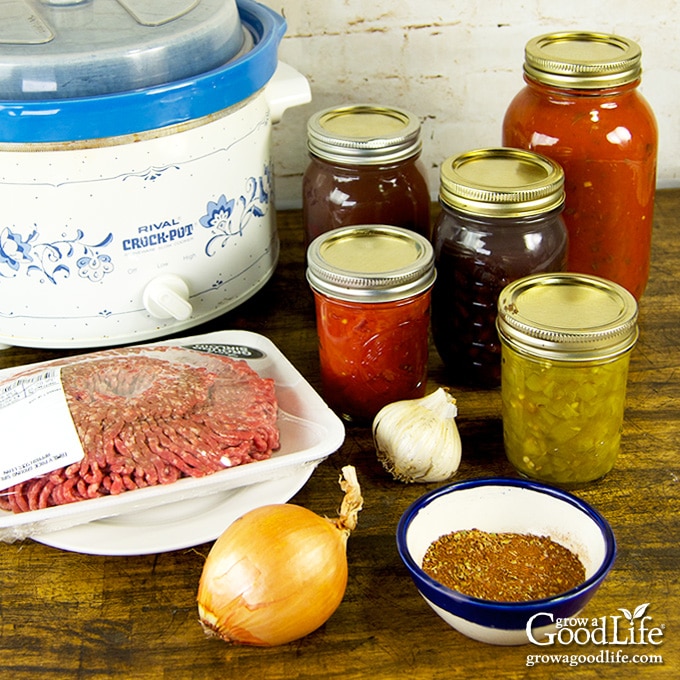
[[84, 230], [309, 432]]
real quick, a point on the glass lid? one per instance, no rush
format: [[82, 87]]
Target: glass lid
[[57, 49]]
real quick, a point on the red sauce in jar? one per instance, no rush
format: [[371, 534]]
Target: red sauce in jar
[[371, 286], [372, 354], [604, 135]]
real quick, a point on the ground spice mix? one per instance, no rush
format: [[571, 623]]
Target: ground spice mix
[[503, 567]]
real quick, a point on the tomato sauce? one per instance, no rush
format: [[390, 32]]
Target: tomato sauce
[[372, 287], [372, 354], [605, 138]]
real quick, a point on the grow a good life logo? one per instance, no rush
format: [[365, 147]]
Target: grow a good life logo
[[632, 630]]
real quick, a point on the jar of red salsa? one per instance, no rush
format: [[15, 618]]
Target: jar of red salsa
[[500, 220], [364, 168], [371, 286], [581, 106]]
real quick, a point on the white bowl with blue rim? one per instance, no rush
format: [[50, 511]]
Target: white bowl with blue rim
[[506, 505]]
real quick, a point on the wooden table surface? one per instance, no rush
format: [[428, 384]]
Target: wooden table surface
[[69, 615]]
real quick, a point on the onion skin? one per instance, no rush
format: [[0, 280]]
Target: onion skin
[[275, 575]]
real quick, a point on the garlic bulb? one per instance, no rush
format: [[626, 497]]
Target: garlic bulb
[[417, 440]]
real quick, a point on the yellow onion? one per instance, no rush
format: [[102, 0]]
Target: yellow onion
[[278, 572]]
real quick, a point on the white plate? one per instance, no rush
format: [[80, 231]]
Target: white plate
[[177, 526], [309, 432]]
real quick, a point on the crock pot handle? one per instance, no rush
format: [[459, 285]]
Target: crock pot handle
[[286, 88]]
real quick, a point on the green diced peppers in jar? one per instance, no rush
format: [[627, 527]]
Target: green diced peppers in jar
[[566, 343], [562, 422]]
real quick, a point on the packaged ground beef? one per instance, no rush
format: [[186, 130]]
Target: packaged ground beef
[[116, 420]]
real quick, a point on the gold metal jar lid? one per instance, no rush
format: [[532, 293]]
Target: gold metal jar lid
[[567, 317], [364, 134], [501, 182], [582, 60], [370, 263]]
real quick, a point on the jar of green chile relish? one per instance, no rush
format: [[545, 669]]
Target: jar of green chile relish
[[566, 343]]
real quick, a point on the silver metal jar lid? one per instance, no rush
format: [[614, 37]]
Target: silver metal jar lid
[[567, 317], [501, 182], [370, 263], [582, 60], [364, 134]]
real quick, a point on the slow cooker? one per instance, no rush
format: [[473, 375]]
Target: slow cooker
[[136, 189]]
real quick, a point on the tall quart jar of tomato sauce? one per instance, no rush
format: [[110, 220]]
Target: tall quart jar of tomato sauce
[[364, 168], [371, 286], [581, 106], [566, 345], [500, 220]]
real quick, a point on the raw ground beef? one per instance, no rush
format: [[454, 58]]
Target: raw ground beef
[[151, 415]]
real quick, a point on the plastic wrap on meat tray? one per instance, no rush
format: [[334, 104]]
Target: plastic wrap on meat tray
[[307, 429], [146, 416]]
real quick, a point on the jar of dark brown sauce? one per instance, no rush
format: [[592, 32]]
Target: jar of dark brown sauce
[[364, 168], [500, 220]]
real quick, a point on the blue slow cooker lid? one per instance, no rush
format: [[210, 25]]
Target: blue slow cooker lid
[[153, 105]]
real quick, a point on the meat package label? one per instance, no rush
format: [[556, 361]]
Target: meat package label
[[39, 435], [231, 351]]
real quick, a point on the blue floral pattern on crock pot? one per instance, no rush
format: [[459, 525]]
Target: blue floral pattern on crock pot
[[53, 260], [227, 218]]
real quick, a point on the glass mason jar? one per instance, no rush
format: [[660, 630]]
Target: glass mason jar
[[371, 286], [364, 168], [581, 106], [500, 220], [566, 345]]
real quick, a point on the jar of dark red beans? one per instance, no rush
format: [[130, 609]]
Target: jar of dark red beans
[[500, 220], [364, 168]]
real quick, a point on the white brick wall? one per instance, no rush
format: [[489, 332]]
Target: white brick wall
[[456, 64]]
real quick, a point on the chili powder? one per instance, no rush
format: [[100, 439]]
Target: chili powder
[[502, 567]]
